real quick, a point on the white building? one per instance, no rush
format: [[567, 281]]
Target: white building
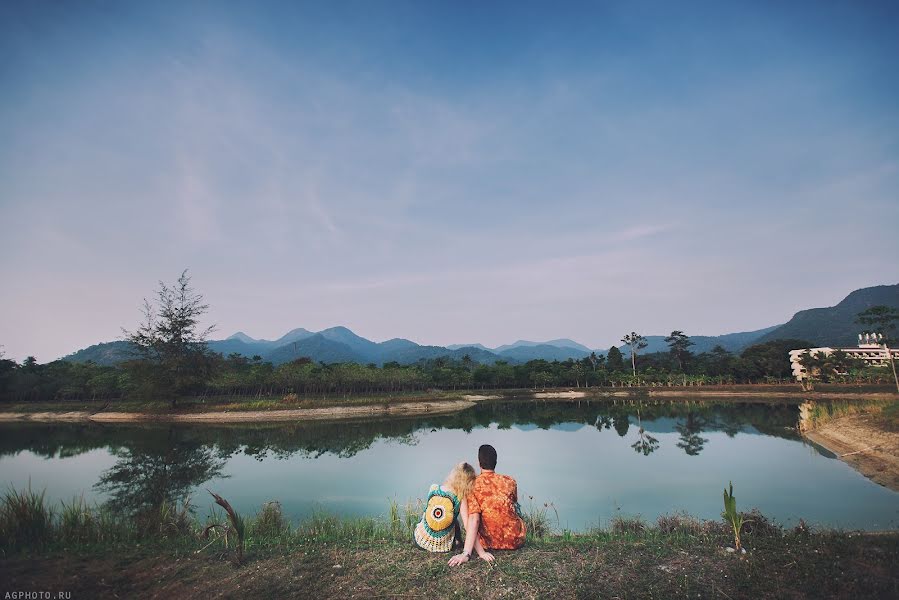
[[869, 350]]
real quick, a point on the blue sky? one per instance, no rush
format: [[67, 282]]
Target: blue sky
[[446, 172]]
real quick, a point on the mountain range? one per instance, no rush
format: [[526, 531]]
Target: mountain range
[[833, 326]]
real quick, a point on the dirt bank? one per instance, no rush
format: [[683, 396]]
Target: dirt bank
[[795, 395], [868, 448], [258, 416]]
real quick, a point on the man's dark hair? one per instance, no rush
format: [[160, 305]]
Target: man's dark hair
[[487, 457]]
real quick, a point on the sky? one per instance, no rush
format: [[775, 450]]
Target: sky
[[446, 172]]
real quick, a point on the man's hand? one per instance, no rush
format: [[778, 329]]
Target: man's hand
[[487, 556], [458, 559]]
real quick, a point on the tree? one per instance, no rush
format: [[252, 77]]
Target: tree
[[615, 361], [635, 342], [881, 320], [771, 359], [678, 343], [171, 347]]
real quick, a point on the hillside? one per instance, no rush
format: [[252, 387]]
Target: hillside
[[835, 325]]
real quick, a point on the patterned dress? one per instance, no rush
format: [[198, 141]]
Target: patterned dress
[[437, 528], [495, 497]]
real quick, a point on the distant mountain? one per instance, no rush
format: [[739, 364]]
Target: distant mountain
[[732, 342], [241, 336], [294, 335], [106, 354], [478, 346], [560, 343], [368, 350], [835, 326], [318, 348], [545, 351]]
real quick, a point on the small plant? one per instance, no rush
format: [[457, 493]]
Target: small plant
[[238, 526], [733, 518], [536, 519]]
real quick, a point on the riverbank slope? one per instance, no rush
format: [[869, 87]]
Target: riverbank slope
[[868, 442]]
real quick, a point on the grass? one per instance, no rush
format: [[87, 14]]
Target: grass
[[884, 413], [94, 553]]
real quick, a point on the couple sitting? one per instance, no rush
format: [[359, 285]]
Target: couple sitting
[[486, 506]]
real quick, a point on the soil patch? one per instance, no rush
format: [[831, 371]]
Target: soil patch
[[259, 416], [861, 442]]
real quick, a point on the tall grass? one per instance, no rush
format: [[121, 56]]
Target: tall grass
[[25, 519], [29, 523], [537, 520]]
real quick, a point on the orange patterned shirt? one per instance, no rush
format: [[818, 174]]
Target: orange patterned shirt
[[494, 496]]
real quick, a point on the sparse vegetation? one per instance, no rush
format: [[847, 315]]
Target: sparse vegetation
[[97, 554]]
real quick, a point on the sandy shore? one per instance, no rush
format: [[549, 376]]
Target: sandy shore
[[258, 416], [867, 448]]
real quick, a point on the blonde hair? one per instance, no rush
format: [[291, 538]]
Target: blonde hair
[[460, 480]]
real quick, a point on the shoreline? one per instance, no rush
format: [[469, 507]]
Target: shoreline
[[398, 407], [251, 416], [868, 449]]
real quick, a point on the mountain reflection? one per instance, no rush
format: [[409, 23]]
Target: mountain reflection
[[164, 463]]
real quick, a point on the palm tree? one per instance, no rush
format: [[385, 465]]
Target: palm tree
[[882, 321]]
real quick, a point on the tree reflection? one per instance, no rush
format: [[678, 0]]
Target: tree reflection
[[690, 440], [645, 444], [161, 469]]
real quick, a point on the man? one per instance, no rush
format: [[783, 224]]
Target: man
[[493, 521]]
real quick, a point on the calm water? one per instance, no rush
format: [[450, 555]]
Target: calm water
[[591, 460]]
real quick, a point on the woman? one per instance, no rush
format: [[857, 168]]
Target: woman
[[438, 529]]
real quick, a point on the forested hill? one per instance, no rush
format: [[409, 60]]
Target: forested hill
[[835, 326]]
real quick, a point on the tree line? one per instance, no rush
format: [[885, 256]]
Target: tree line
[[172, 360]]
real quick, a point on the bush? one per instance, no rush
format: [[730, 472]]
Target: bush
[[679, 523], [269, 522], [628, 525]]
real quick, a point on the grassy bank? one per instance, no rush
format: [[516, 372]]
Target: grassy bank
[[166, 552], [881, 414]]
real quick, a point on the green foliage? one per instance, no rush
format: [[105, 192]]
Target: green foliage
[[237, 524], [679, 344], [269, 522], [770, 358], [635, 342], [536, 519], [733, 518], [615, 360], [172, 355], [880, 320], [25, 519]]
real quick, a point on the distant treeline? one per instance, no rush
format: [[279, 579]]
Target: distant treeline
[[211, 374]]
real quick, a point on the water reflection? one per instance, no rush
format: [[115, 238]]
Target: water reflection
[[164, 463], [188, 444], [159, 469]]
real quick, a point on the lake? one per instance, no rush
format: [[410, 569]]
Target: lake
[[592, 460]]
